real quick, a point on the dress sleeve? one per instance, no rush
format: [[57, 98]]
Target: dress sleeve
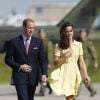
[[80, 49], [57, 50]]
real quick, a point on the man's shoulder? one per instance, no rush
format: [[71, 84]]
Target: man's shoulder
[[89, 42], [12, 41], [36, 40], [48, 41], [15, 39]]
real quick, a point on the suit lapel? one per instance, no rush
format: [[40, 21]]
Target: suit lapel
[[21, 44]]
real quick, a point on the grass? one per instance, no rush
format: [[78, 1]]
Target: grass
[[96, 32], [95, 73], [5, 71]]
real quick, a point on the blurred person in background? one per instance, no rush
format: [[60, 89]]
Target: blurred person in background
[[89, 53], [48, 49]]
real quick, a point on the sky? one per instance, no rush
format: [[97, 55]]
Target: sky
[[21, 6]]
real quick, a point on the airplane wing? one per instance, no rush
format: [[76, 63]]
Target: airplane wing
[[83, 15]]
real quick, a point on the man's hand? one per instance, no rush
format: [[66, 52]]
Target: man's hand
[[95, 64], [25, 68], [44, 79]]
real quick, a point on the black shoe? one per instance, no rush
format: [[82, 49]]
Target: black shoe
[[50, 92], [93, 93], [39, 94]]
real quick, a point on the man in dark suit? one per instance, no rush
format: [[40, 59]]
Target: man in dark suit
[[24, 54]]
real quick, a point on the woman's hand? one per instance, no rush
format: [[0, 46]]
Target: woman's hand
[[68, 53], [83, 69], [87, 80], [59, 60]]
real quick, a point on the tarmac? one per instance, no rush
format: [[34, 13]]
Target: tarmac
[[8, 92]]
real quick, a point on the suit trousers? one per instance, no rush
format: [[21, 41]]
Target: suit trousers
[[25, 92]]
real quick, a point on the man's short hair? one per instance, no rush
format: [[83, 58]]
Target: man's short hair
[[25, 21]]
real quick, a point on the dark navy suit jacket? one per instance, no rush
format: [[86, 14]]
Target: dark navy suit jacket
[[16, 56]]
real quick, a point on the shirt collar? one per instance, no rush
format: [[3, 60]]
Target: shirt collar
[[75, 42], [24, 37]]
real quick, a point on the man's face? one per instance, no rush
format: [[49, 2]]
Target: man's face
[[83, 35], [29, 29], [42, 35]]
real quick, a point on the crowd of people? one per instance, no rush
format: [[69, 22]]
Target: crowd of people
[[37, 61]]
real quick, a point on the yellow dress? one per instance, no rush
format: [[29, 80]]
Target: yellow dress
[[65, 80]]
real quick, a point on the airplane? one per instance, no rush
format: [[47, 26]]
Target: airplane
[[81, 16]]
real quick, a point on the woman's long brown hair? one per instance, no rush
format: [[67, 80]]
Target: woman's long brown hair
[[64, 41]]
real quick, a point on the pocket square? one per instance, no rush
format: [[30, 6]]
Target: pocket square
[[35, 48]]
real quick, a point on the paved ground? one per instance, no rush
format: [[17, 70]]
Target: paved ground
[[8, 92]]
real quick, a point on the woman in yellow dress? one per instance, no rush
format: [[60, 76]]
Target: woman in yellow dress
[[66, 78]]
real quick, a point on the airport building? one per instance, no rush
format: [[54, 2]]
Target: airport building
[[48, 13]]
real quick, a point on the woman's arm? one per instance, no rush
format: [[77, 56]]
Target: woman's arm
[[83, 70]]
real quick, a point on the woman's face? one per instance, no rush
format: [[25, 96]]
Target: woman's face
[[69, 32]]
